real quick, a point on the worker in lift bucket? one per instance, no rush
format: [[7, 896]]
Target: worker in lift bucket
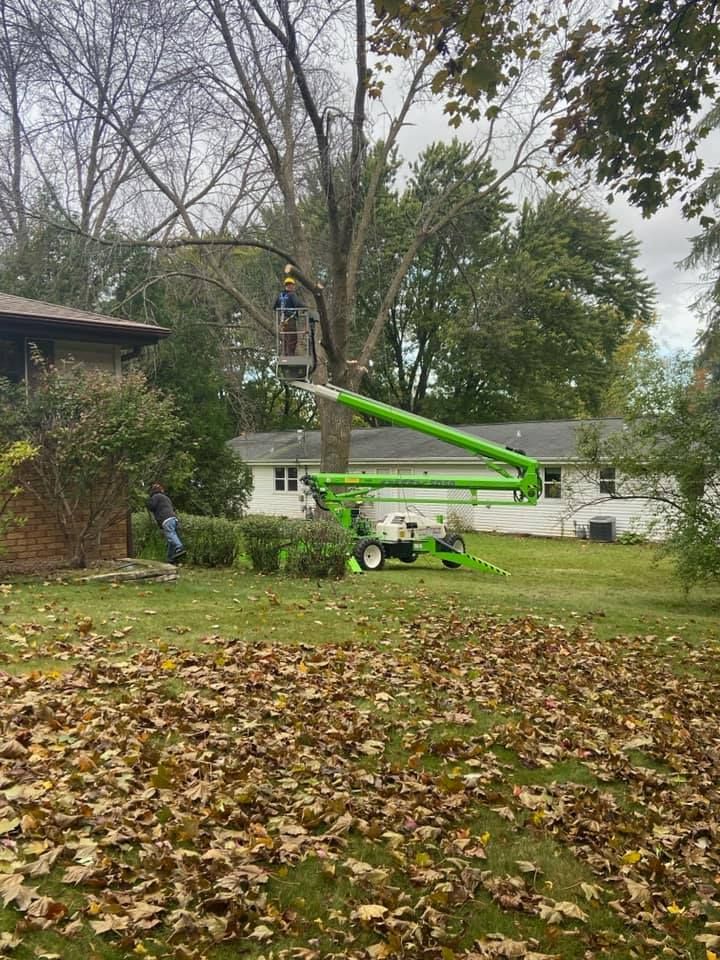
[[288, 303]]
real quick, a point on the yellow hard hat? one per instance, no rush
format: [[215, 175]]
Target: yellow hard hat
[[289, 280]]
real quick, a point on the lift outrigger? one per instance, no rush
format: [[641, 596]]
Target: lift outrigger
[[407, 534]]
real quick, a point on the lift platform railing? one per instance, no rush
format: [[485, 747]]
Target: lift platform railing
[[295, 343]]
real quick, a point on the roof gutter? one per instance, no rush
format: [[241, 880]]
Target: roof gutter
[[84, 329]]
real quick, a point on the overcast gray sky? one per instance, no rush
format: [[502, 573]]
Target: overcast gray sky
[[664, 239]]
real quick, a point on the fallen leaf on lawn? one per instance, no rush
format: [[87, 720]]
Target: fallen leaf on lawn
[[143, 910], [378, 951], [370, 911], [709, 940], [565, 908], [9, 941], [44, 863], [639, 892], [507, 948], [675, 910], [12, 890], [77, 874], [47, 908], [115, 923]]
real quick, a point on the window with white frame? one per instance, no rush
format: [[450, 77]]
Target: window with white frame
[[552, 486], [607, 481], [286, 479]]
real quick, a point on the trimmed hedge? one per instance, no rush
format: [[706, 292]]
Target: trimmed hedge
[[264, 539], [320, 548], [209, 541], [302, 548]]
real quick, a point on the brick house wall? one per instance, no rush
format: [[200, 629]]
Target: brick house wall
[[39, 544], [64, 335]]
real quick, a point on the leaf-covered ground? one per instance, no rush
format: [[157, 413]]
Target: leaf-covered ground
[[466, 787]]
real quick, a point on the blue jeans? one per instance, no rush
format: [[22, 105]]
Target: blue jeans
[[170, 531]]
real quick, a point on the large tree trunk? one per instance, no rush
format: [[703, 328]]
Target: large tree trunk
[[334, 368], [335, 426]]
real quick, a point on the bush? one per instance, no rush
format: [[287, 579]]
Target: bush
[[264, 539], [147, 540], [209, 541], [631, 537], [96, 438], [319, 548], [309, 548], [10, 459], [455, 523], [219, 485]]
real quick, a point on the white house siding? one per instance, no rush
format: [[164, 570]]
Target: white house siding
[[267, 500], [550, 518], [564, 517]]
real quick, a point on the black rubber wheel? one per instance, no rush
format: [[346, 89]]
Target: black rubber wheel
[[411, 559], [369, 553], [457, 543]]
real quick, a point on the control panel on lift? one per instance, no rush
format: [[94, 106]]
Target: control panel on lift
[[295, 343]]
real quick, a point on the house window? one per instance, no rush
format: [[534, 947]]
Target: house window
[[552, 487], [607, 481], [12, 359], [286, 478]]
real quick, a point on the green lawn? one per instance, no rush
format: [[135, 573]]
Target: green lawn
[[414, 763]]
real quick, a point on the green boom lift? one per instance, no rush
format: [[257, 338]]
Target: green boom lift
[[407, 534]]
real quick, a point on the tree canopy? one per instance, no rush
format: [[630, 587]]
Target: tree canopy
[[516, 318], [705, 253], [181, 124], [668, 453], [627, 82], [225, 142]]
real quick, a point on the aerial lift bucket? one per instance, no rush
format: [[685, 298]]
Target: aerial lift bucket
[[295, 343]]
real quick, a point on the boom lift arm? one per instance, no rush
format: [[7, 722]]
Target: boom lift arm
[[341, 493]]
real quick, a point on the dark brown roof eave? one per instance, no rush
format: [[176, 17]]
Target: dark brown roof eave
[[122, 332]]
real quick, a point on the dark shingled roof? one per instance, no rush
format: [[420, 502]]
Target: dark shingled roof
[[546, 440], [17, 314]]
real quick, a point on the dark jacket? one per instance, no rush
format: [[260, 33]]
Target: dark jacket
[[160, 506], [288, 301]]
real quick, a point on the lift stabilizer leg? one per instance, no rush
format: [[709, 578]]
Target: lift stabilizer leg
[[474, 563], [456, 559]]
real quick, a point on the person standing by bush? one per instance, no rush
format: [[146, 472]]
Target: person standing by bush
[[160, 506]]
